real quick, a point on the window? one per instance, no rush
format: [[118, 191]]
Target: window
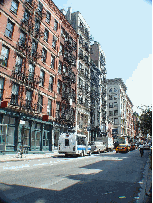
[[116, 113], [22, 39], [46, 35], [80, 99], [115, 97], [44, 55], [54, 42], [4, 56], [14, 96], [42, 77], [66, 142], [86, 72], [18, 64], [14, 6], [57, 109], [1, 88], [110, 105], [26, 16], [80, 54], [115, 104], [37, 26], [51, 82], [59, 87], [40, 8], [86, 103], [9, 29], [110, 97], [62, 32], [80, 66], [28, 99], [60, 67], [29, 1], [61, 49], [55, 25], [31, 72], [49, 107], [80, 83], [80, 39], [53, 62], [116, 121], [115, 90], [110, 113], [40, 103], [110, 90], [48, 17], [34, 48]]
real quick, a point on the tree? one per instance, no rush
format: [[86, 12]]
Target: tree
[[146, 122]]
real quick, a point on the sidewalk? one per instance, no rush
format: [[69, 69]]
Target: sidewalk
[[17, 157]]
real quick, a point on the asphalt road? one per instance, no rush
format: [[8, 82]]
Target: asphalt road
[[108, 177]]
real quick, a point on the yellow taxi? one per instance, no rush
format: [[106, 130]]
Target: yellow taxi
[[122, 148]]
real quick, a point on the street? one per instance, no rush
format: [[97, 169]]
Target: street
[[108, 177]]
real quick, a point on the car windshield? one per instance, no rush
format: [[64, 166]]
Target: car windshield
[[122, 145]]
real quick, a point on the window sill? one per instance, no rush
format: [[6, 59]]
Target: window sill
[[8, 37], [15, 14]]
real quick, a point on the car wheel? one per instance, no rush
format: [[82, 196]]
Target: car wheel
[[89, 153]]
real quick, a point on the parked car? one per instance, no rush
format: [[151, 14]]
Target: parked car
[[122, 148], [97, 147]]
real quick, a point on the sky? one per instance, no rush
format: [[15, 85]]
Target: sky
[[124, 30]]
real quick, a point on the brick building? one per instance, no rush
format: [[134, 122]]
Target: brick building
[[38, 51]]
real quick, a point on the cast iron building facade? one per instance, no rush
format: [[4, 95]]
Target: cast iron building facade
[[37, 74]]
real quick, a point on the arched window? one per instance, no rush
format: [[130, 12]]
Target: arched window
[[110, 90]]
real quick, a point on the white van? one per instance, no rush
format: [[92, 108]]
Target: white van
[[98, 147], [73, 144]]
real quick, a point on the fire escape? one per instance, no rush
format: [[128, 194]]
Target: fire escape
[[24, 81], [68, 84]]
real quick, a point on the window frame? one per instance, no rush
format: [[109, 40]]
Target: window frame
[[10, 31], [14, 10], [4, 61]]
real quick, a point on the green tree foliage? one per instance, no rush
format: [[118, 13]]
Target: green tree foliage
[[146, 122]]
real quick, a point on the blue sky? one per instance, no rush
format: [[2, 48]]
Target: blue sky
[[124, 30]]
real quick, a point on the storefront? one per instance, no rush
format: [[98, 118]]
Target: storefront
[[17, 129]]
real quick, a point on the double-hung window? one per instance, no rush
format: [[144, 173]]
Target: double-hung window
[[48, 17], [1, 88], [31, 72], [49, 107], [37, 25], [14, 96], [55, 25], [51, 82], [42, 77], [59, 86], [44, 55], [54, 42], [34, 48], [26, 16], [9, 29], [61, 49], [14, 6], [40, 8], [28, 99], [46, 35], [22, 39], [60, 67], [4, 56], [52, 62], [18, 64]]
